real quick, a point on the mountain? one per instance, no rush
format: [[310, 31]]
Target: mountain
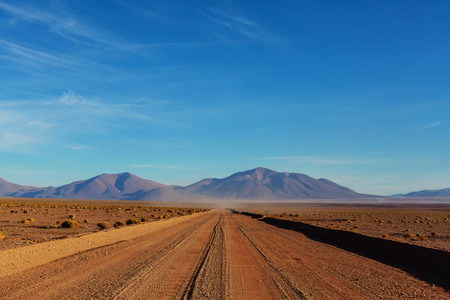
[[259, 183], [7, 188], [428, 193], [262, 183], [123, 186]]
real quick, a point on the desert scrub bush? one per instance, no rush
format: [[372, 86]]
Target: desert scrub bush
[[385, 235], [72, 217], [69, 224], [119, 224], [86, 221], [144, 219], [133, 221], [26, 221], [434, 233], [2, 235], [103, 225]]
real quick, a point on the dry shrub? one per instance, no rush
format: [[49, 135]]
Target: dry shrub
[[69, 224], [119, 224], [103, 225], [72, 217], [385, 235], [144, 219], [133, 221], [27, 221], [434, 233], [2, 235]]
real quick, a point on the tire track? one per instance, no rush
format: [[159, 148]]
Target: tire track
[[322, 271], [171, 275], [284, 284], [100, 272], [210, 279]]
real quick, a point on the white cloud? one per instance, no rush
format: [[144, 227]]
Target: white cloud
[[24, 55], [238, 23], [176, 167], [70, 98], [78, 147], [321, 160], [431, 125], [62, 23], [389, 184], [45, 122], [19, 134]]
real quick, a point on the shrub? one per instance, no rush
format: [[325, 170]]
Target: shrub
[[144, 219], [2, 235], [103, 225], [72, 217], [133, 221], [86, 221], [27, 221], [385, 235], [69, 224], [434, 233], [119, 224]]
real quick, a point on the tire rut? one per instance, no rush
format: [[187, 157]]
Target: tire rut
[[284, 284], [174, 272]]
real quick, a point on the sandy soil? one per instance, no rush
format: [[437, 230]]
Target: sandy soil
[[215, 255]]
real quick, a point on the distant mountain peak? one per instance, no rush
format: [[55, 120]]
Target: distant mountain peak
[[258, 183], [428, 193], [263, 183]]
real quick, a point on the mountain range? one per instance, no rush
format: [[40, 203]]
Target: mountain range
[[428, 193], [259, 183]]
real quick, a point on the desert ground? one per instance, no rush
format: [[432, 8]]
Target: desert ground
[[278, 252], [427, 225]]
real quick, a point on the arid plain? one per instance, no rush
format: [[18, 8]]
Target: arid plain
[[250, 252]]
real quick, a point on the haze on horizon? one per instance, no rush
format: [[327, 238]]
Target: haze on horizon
[[355, 92]]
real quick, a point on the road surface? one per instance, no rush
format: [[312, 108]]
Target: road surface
[[216, 255]]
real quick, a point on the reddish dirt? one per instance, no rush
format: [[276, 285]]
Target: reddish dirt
[[424, 225], [216, 255], [32, 221]]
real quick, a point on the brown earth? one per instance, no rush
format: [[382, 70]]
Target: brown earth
[[215, 255], [426, 225], [30, 221]]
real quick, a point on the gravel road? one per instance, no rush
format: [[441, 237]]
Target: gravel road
[[215, 255]]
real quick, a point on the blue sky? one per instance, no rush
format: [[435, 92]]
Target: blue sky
[[175, 91]]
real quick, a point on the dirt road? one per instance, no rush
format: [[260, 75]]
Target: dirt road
[[217, 255]]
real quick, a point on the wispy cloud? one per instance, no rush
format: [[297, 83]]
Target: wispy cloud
[[20, 133], [175, 167], [62, 23], [389, 183], [22, 54], [78, 147], [70, 98], [240, 24], [37, 123], [431, 125], [321, 160], [137, 9]]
